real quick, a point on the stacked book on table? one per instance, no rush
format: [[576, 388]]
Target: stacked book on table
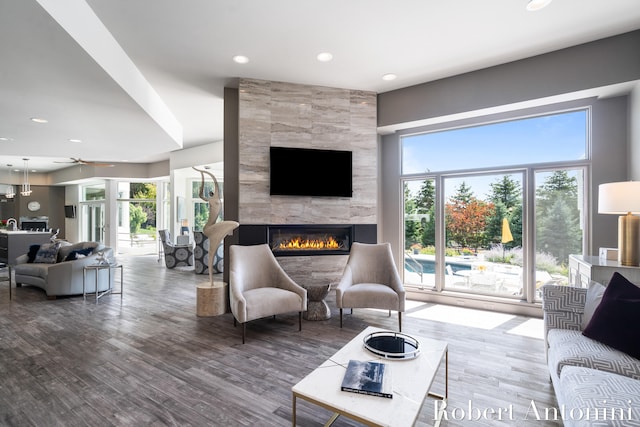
[[373, 378]]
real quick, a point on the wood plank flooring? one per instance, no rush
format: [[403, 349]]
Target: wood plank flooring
[[150, 361]]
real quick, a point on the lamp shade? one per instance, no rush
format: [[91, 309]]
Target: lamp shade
[[619, 198]]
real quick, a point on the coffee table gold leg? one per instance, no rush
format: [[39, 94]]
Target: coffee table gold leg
[[438, 417], [332, 420], [446, 374], [293, 417]]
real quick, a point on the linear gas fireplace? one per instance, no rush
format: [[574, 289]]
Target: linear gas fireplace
[[307, 239], [310, 239]]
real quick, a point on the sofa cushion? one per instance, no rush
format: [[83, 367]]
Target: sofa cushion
[[571, 348], [48, 253], [36, 270], [616, 398], [616, 321]]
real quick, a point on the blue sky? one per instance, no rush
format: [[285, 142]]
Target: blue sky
[[558, 137], [534, 140]]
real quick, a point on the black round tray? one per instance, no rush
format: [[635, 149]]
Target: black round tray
[[392, 345]]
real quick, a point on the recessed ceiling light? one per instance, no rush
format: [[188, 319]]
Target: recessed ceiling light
[[4, 138], [39, 120], [534, 5], [324, 57], [240, 59], [389, 77], [75, 140]]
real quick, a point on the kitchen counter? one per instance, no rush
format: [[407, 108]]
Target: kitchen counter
[[16, 243]]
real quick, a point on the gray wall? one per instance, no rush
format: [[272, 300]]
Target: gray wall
[[634, 133], [292, 115], [566, 74], [601, 63]]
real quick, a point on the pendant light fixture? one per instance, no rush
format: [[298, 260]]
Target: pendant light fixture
[[10, 194], [26, 187]]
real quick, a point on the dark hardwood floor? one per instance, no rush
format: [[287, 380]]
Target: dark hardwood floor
[[150, 361]]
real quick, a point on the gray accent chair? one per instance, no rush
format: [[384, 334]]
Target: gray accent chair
[[201, 255], [259, 287], [175, 255], [371, 280]]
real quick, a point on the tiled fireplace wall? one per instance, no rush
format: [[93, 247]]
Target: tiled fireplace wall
[[292, 115]]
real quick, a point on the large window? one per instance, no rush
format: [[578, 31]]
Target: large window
[[495, 209], [536, 140], [200, 208]]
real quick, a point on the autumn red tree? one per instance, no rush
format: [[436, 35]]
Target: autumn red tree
[[467, 218]]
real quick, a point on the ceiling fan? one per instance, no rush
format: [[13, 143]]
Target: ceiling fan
[[79, 161]]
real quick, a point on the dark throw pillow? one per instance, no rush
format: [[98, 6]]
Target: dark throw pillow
[[616, 321], [73, 255], [33, 251]]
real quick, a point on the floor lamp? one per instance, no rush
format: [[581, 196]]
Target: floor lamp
[[623, 198]]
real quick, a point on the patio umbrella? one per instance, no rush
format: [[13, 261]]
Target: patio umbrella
[[506, 234]]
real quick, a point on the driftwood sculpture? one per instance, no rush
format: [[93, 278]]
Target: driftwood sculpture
[[215, 231]]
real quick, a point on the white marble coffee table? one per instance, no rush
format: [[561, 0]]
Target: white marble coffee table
[[412, 380]]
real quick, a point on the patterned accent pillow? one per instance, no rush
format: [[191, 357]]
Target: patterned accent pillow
[[616, 320], [48, 253]]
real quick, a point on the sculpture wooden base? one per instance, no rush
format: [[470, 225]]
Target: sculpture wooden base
[[212, 300]]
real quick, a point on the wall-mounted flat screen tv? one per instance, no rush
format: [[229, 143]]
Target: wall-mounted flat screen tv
[[310, 172], [69, 211]]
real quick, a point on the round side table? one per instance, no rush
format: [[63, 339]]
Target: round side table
[[317, 308]]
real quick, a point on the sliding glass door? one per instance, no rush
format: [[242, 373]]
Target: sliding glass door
[[93, 222]]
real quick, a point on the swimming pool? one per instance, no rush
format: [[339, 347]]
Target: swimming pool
[[429, 265]]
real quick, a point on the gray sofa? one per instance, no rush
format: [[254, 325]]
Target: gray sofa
[[65, 277], [594, 383]]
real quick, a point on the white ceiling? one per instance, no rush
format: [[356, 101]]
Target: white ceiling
[[77, 63]]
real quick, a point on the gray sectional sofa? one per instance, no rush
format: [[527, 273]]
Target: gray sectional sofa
[[595, 384], [61, 276]]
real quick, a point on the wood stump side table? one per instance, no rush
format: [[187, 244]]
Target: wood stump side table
[[212, 300], [317, 308]]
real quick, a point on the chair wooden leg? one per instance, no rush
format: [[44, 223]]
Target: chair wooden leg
[[235, 323], [299, 321], [244, 331], [389, 313], [341, 318], [400, 321]]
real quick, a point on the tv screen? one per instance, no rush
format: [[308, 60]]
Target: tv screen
[[310, 172], [69, 211]]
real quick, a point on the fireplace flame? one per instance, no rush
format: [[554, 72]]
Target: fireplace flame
[[298, 243]]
